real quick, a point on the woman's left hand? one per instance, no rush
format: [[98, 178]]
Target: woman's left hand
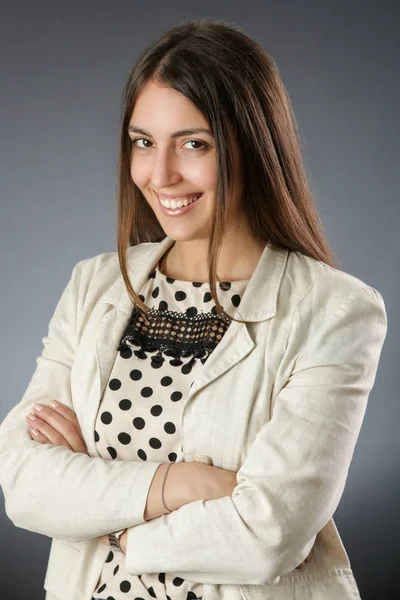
[[57, 424]]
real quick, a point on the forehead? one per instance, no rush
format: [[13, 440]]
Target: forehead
[[161, 108]]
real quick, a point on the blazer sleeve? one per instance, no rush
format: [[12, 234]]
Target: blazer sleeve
[[50, 489], [295, 471]]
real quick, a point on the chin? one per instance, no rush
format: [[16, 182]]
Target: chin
[[185, 233]]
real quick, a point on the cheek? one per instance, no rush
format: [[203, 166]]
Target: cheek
[[205, 176], [140, 169]]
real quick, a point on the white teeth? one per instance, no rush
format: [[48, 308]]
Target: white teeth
[[179, 203]]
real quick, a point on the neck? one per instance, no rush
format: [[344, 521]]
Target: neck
[[187, 260]]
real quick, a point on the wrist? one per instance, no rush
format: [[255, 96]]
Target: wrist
[[168, 467], [114, 539]]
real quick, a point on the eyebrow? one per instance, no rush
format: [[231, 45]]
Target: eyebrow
[[176, 134]]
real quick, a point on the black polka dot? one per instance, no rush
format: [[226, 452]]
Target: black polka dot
[[96, 436], [124, 438], [102, 588], [192, 311], [125, 404], [175, 396], [152, 274], [169, 427], [197, 283], [114, 384], [172, 456], [155, 292], [163, 305], [152, 592], [116, 570], [142, 454], [126, 352], [161, 577], [146, 392], [225, 285], [156, 410], [166, 381], [191, 596], [235, 300], [135, 374], [177, 581], [170, 279], [110, 598], [207, 297], [138, 423], [125, 586], [141, 297], [179, 296], [106, 417], [155, 443], [112, 452], [110, 556]]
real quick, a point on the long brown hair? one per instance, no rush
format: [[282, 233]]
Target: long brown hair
[[236, 85]]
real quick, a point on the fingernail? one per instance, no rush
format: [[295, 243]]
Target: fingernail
[[54, 403], [34, 432], [31, 417], [37, 406]]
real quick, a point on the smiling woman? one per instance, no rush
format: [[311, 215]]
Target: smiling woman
[[189, 427]]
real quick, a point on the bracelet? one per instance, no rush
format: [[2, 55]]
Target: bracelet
[[162, 487]]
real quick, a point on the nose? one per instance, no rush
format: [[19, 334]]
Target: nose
[[165, 170]]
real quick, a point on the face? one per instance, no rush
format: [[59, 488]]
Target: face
[[170, 162]]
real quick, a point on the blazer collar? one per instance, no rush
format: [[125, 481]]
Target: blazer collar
[[259, 300]]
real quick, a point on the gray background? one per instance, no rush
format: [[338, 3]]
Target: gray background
[[63, 66]]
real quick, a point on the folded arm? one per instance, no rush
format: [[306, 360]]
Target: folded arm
[[294, 474], [50, 489]]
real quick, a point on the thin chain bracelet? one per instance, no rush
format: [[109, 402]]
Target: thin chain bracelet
[[162, 487]]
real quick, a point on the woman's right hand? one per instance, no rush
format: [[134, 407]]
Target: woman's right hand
[[206, 482]]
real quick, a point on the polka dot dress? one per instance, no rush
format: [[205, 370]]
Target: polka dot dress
[[157, 361]]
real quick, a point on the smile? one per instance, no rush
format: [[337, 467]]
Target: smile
[[178, 207]]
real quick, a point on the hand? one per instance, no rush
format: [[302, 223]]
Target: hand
[[207, 482], [56, 424]]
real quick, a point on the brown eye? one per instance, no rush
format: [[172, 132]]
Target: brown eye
[[202, 144], [133, 142]]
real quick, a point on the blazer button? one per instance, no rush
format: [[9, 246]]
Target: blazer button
[[203, 459]]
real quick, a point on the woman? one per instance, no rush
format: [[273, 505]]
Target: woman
[[189, 427]]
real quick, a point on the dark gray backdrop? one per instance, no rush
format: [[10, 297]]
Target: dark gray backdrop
[[63, 66]]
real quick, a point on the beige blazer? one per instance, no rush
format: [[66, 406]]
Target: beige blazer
[[281, 400]]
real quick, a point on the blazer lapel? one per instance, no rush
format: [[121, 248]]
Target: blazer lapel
[[258, 303], [141, 261]]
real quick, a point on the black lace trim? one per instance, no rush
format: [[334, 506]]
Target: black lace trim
[[174, 334]]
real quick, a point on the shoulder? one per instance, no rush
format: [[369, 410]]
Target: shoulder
[[107, 263], [96, 274], [318, 288]]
